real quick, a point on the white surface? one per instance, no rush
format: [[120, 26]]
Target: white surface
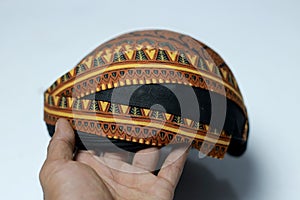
[[259, 40]]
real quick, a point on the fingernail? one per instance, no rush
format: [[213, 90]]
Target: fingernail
[[201, 155], [56, 124], [92, 152]]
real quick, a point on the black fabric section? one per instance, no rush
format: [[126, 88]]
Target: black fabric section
[[179, 100], [175, 99], [237, 146]]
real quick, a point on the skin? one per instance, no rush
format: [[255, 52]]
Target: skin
[[87, 176]]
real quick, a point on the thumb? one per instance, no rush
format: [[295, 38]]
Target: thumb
[[62, 143]]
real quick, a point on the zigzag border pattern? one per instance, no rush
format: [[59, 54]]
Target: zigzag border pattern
[[152, 136], [86, 66]]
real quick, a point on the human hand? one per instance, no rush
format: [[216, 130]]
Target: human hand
[[88, 176]]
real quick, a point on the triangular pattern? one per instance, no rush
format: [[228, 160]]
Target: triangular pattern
[[124, 109], [146, 111], [172, 55], [77, 104], [224, 73], [103, 105], [178, 138], [114, 108], [85, 103], [202, 65], [98, 62], [50, 100], [135, 111], [216, 71], [70, 101], [162, 55], [118, 57], [230, 79], [56, 99], [46, 95], [183, 59], [65, 77], [156, 114], [188, 121], [140, 55], [129, 54], [193, 59], [178, 120], [80, 69], [210, 66], [72, 72], [170, 137], [151, 53], [107, 57], [54, 85], [94, 106], [168, 116], [63, 102], [88, 62]]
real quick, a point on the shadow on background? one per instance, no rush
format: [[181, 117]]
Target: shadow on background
[[231, 178]]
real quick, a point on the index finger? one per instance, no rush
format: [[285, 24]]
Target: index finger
[[173, 165]]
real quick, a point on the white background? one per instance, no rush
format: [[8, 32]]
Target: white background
[[259, 40]]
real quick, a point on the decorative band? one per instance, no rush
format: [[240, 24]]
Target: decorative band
[[183, 61], [142, 134], [133, 74], [108, 112]]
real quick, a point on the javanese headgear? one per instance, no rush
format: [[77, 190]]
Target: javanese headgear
[[151, 88]]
